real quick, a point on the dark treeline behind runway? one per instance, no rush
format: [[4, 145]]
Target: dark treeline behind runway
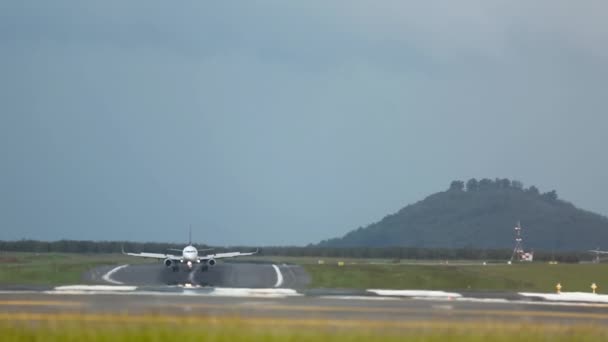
[[394, 253]]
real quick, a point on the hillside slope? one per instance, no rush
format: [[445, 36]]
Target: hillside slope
[[483, 216]]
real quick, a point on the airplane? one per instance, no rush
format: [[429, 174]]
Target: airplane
[[597, 253], [190, 256]]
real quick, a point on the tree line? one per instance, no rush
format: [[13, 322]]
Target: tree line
[[487, 184], [393, 253]]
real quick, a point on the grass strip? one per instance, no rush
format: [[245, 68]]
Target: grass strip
[[520, 277], [158, 328], [54, 268]]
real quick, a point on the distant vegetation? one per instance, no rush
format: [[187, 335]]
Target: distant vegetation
[[392, 253], [481, 214], [470, 220], [534, 277]]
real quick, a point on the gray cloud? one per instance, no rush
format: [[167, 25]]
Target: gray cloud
[[284, 123]]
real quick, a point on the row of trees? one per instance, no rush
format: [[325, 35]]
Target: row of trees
[[486, 184], [79, 246], [395, 253]]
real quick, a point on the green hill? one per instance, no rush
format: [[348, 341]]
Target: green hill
[[482, 214]]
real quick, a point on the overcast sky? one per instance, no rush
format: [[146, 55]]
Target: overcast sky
[[284, 122]]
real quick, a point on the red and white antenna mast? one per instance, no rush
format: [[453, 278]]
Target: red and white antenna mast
[[519, 249]]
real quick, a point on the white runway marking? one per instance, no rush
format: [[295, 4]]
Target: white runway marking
[[569, 296], [253, 293], [279, 276], [415, 293], [191, 276], [362, 298], [486, 300], [133, 291], [94, 288], [108, 276]]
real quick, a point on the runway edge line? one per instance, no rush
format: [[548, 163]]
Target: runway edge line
[[279, 276], [108, 276]]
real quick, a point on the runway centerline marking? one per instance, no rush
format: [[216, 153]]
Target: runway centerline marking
[[191, 275], [279, 276], [108, 276]]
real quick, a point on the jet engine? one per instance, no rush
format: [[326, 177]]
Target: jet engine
[[168, 262], [211, 262]]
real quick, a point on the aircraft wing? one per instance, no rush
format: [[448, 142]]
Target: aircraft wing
[[598, 252], [226, 255], [154, 256]]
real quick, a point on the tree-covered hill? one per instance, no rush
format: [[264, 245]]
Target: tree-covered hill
[[482, 214]]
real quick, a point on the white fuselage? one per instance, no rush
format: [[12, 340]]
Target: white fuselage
[[190, 255]]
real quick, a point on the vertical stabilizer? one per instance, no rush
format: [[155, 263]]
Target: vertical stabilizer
[[190, 236]]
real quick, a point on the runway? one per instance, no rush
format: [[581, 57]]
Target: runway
[[240, 275], [326, 310], [276, 295]]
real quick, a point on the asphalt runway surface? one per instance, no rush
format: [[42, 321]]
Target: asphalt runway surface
[[326, 310], [241, 275], [261, 294]]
